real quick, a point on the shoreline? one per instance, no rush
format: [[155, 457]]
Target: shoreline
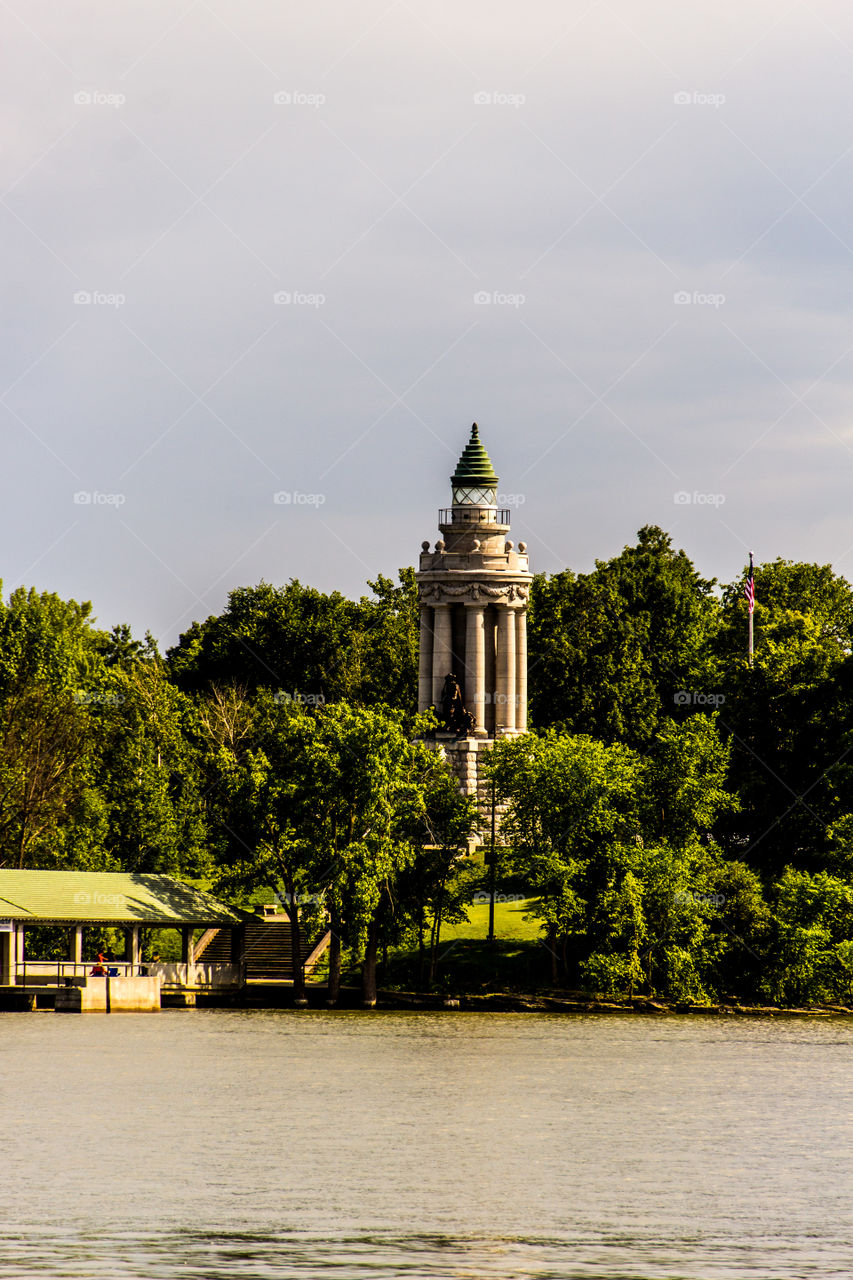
[[508, 1002]]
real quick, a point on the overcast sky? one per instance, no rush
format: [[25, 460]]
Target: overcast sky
[[258, 249]]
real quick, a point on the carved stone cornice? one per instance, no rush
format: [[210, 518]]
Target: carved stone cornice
[[434, 593]]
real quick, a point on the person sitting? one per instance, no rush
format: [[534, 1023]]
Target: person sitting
[[98, 971]]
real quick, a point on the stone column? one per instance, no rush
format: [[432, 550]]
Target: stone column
[[521, 669], [442, 650], [505, 710], [491, 673], [475, 666], [425, 659]]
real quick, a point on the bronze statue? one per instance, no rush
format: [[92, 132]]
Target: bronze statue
[[454, 712]]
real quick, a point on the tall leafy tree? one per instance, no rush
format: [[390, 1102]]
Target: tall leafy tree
[[611, 651], [307, 645], [789, 716]]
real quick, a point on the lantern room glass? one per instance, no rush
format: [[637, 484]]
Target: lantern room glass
[[474, 496]]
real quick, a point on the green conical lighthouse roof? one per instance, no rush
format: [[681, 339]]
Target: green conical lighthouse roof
[[474, 468]]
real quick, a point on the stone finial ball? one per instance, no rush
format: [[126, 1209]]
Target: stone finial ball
[[439, 546], [522, 546], [476, 544], [508, 546], [424, 546]]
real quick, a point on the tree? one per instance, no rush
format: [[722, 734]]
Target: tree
[[574, 813], [611, 651], [147, 770], [811, 956], [789, 716], [42, 744], [632, 888], [46, 650], [435, 888], [306, 645], [320, 808]]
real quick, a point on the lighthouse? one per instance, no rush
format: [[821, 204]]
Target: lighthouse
[[473, 589]]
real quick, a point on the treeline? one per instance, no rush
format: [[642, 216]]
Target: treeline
[[683, 823]]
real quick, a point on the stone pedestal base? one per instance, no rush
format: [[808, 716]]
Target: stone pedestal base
[[466, 757]]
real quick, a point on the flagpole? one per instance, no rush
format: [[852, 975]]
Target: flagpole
[[751, 599], [750, 637]]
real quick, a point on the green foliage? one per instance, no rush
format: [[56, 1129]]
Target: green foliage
[[665, 850], [811, 956], [789, 717], [616, 846], [304, 644], [610, 650]]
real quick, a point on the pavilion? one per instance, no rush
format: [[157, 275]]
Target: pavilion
[[75, 900]]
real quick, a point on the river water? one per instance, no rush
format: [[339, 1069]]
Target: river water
[[357, 1146]]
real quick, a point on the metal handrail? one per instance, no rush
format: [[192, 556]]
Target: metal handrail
[[77, 968]]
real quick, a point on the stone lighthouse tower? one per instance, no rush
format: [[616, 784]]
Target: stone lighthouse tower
[[474, 589]]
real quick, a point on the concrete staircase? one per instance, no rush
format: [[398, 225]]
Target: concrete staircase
[[268, 957]]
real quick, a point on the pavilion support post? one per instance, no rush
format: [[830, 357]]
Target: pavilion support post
[[6, 951], [132, 953], [75, 947], [187, 946]]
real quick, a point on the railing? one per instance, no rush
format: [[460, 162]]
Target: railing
[[474, 515], [61, 972], [58, 972]]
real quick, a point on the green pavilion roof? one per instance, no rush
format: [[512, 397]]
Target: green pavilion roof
[[474, 468], [108, 897]]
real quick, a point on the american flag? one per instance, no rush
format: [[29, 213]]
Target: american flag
[[749, 587]]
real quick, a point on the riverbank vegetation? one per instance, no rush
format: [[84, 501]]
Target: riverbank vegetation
[[677, 823]]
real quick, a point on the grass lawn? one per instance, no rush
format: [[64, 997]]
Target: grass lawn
[[510, 924], [467, 962]]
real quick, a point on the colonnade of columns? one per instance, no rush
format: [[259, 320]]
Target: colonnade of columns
[[494, 662]]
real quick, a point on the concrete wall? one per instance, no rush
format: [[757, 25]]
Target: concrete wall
[[127, 995], [214, 974]]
